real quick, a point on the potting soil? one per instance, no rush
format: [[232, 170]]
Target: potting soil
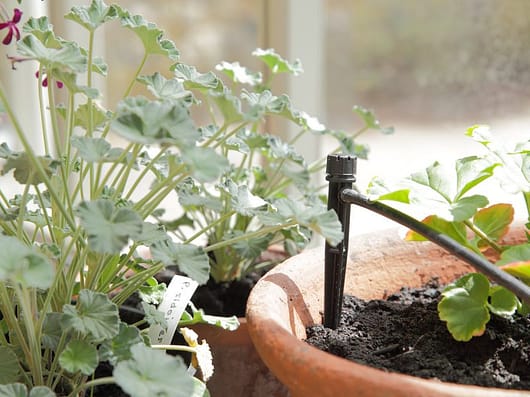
[[404, 334]]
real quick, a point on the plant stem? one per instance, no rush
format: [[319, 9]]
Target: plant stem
[[92, 383], [483, 236], [247, 236], [32, 333], [210, 225], [179, 348]]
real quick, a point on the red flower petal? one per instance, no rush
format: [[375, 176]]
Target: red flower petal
[[17, 15], [8, 37]]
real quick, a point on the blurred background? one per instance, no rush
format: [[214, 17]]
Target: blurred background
[[430, 68]]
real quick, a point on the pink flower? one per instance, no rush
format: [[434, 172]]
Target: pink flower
[[11, 26]]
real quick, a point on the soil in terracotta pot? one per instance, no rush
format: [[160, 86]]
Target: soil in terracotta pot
[[404, 334]]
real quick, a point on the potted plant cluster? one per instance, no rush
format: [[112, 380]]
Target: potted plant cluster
[[380, 264], [90, 224]]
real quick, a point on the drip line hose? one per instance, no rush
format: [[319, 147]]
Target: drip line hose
[[482, 265]]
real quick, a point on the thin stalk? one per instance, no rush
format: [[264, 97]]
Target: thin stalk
[[136, 74], [131, 284], [179, 348], [32, 333], [258, 233], [12, 321], [92, 383], [227, 135], [55, 363], [158, 193], [115, 164], [42, 114], [210, 225], [47, 219], [144, 172], [526, 196], [125, 172], [483, 236], [35, 161]]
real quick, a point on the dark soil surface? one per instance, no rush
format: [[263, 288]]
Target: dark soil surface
[[404, 334], [220, 299]]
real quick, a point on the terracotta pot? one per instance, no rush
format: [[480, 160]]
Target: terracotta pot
[[290, 297], [238, 369]]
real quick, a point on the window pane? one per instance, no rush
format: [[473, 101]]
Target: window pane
[[429, 60], [206, 32]]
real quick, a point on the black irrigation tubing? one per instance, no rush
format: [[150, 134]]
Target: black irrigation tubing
[[501, 277]]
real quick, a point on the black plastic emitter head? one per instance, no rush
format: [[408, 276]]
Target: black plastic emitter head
[[340, 170]]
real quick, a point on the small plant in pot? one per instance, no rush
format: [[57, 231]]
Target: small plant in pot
[[75, 233], [462, 211], [463, 220], [380, 264]]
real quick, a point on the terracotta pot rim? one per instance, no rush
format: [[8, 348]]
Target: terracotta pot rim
[[273, 337]]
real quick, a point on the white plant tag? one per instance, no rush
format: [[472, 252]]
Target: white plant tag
[[176, 298]]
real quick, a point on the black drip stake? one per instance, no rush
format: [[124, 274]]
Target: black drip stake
[[340, 171], [341, 175]]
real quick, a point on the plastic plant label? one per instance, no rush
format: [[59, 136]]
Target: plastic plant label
[[176, 298]]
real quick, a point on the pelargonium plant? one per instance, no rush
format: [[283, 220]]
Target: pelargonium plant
[[89, 224], [459, 203]]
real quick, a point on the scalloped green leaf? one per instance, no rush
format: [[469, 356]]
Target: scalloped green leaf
[[163, 88], [94, 315], [153, 316], [95, 114], [239, 74], [150, 35], [464, 306], [515, 253], [24, 171], [494, 220], [466, 207], [79, 356], [199, 317], [91, 149], [23, 264], [520, 269], [108, 227], [370, 121], [92, 16], [503, 302], [190, 259], [470, 171], [276, 63], [20, 390], [380, 191], [9, 365], [162, 121], [119, 347], [193, 79], [41, 391], [228, 104], [51, 330], [242, 200], [68, 56], [455, 230], [205, 164], [316, 218], [153, 373]]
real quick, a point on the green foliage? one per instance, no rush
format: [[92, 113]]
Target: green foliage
[[464, 306], [153, 373], [470, 220], [118, 193]]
